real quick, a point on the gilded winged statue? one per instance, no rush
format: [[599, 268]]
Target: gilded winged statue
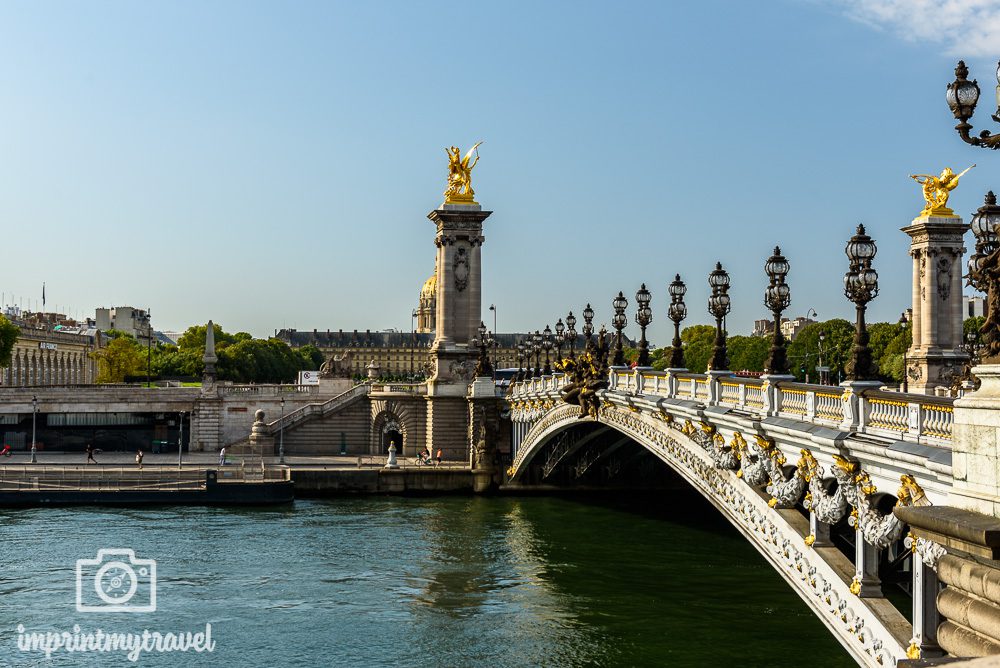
[[937, 189], [459, 189]]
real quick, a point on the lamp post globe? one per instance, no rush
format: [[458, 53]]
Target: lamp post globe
[[547, 346], [777, 298], [571, 334], [962, 96], [560, 339], [860, 286], [677, 311], [618, 321], [984, 223], [588, 324], [719, 306], [643, 316], [536, 347]]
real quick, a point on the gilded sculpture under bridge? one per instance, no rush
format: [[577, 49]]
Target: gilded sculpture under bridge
[[589, 375]]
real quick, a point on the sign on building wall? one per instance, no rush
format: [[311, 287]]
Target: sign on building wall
[[308, 377], [44, 345]]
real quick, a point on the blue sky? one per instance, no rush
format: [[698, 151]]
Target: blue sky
[[271, 165]]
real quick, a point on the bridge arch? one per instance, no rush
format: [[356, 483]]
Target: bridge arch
[[871, 633]]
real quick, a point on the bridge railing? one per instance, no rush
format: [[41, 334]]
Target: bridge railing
[[319, 409], [267, 390], [911, 417], [400, 388]]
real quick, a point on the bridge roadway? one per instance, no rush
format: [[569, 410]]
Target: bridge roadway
[[785, 462]]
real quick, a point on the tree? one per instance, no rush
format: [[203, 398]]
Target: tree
[[697, 341], [120, 358], [747, 353], [804, 351], [8, 337]]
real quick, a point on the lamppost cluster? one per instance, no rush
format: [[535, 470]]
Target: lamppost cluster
[[484, 342], [983, 224], [618, 321], [677, 311], [719, 306], [643, 316], [777, 298]]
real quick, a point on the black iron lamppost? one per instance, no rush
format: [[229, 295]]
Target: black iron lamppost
[[822, 374], [281, 434], [643, 316], [618, 321], [547, 346], [861, 286], [904, 386], [718, 306], [560, 339], [588, 325], [571, 334], [34, 415], [962, 97], [983, 223], [777, 297], [536, 347], [483, 342], [520, 360], [677, 311]]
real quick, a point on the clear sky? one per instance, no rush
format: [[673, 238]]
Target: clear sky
[[271, 165]]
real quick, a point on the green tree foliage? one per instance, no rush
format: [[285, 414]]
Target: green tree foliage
[[803, 352], [747, 353], [8, 337], [121, 357], [972, 326], [242, 358], [697, 341]]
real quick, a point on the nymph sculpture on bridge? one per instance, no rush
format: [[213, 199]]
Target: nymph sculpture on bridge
[[937, 190], [589, 373], [459, 189]]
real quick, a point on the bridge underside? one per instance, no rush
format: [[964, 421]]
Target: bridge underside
[[592, 456]]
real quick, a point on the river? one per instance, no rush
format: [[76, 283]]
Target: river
[[388, 581]]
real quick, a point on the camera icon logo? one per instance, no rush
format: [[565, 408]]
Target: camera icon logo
[[116, 577]]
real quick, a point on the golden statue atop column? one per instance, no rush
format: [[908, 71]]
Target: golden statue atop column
[[459, 189], [937, 189]]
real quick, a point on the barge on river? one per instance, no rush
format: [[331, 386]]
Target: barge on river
[[240, 485]]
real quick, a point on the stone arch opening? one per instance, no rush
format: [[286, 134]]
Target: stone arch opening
[[390, 430]]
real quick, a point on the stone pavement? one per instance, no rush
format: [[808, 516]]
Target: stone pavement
[[207, 460]]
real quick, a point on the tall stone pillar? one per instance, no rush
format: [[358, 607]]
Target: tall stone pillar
[[936, 355], [458, 312]]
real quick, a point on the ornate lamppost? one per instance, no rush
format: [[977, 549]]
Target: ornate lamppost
[[34, 415], [618, 321], [571, 334], [718, 306], [677, 312], [777, 297], [962, 97], [643, 316], [547, 346], [861, 286], [905, 385], [560, 339], [588, 325], [484, 341], [536, 347], [819, 348], [519, 347], [983, 223]]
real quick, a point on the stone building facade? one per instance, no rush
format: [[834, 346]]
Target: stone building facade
[[43, 356]]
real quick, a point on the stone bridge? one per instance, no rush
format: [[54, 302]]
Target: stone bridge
[[847, 491]]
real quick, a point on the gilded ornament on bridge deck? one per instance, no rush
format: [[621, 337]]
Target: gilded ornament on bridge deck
[[459, 189], [913, 651], [855, 586], [910, 492], [809, 540], [937, 189]]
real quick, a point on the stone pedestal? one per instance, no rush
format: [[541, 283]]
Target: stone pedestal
[[975, 458], [484, 418], [853, 419], [936, 356]]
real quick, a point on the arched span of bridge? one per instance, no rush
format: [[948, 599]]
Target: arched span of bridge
[[871, 629]]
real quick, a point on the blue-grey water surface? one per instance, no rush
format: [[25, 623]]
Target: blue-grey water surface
[[439, 582]]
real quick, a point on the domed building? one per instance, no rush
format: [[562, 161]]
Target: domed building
[[425, 306]]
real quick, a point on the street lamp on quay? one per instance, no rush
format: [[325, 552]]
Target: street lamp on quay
[[618, 321], [819, 348], [281, 434], [571, 334], [718, 306], [643, 316], [861, 286], [547, 346], [677, 311], [777, 297], [34, 414], [962, 96]]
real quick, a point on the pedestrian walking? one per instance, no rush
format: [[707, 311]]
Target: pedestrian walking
[[138, 458], [439, 456], [6, 451], [222, 456], [90, 453]]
